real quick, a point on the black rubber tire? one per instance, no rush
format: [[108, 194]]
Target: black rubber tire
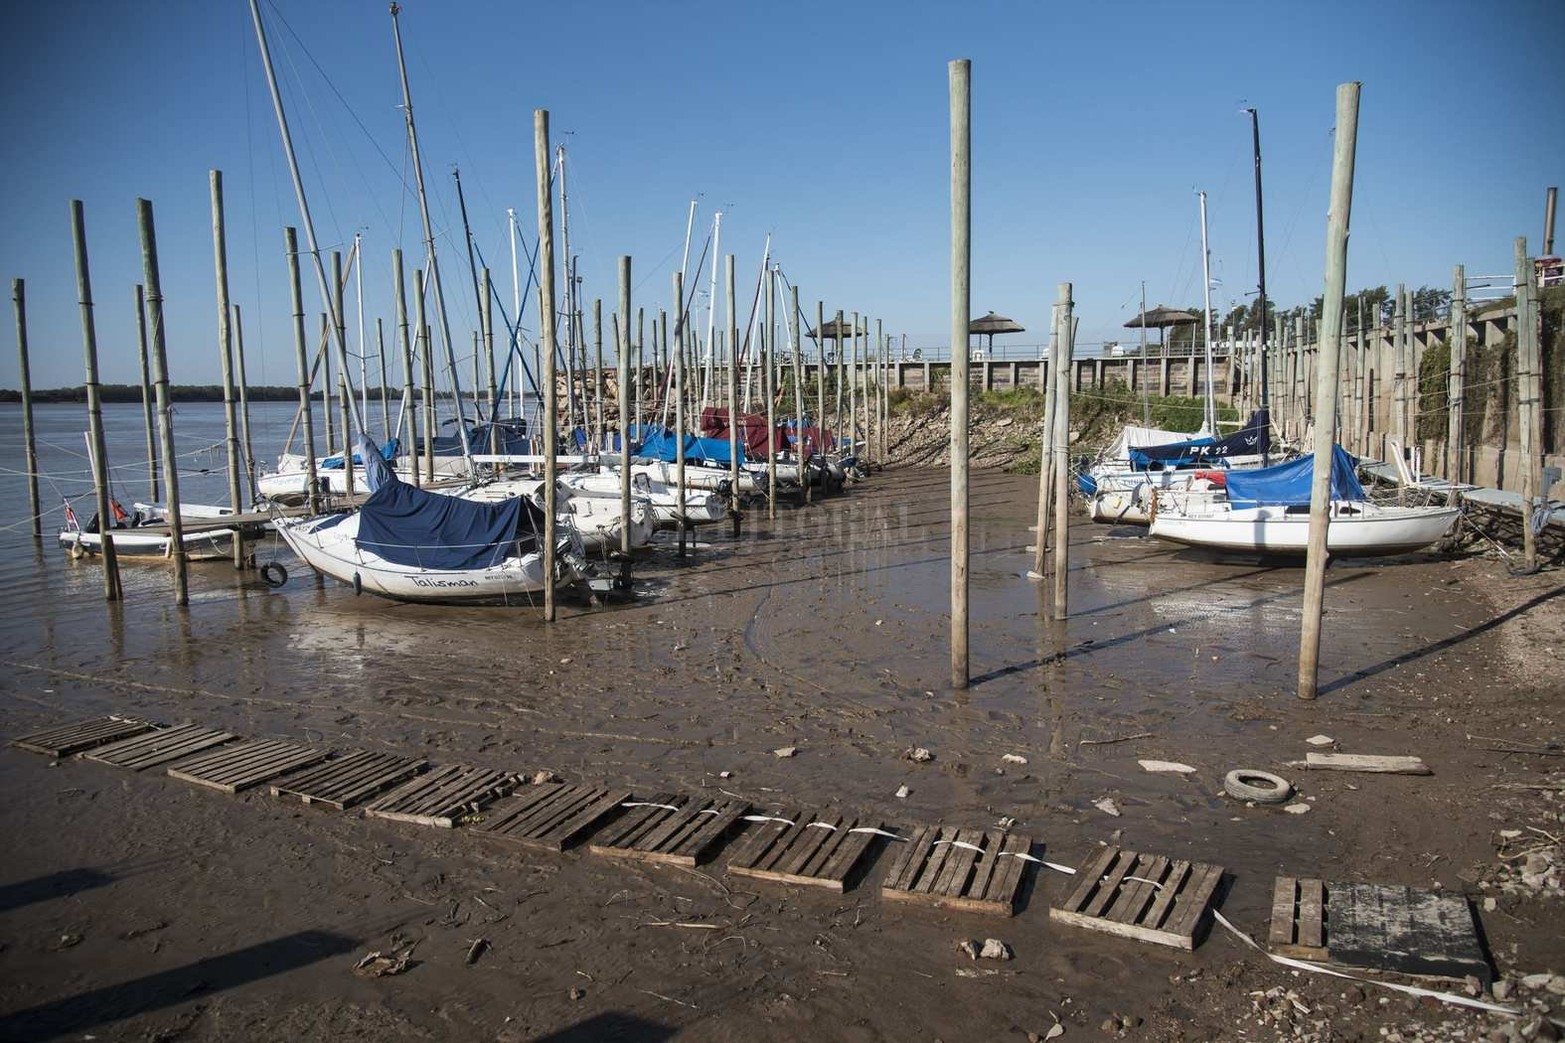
[[273, 574], [1260, 786]]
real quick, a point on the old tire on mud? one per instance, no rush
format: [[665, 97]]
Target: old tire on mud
[[273, 574], [1260, 786]]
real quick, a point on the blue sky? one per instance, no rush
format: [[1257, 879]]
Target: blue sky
[[825, 125]]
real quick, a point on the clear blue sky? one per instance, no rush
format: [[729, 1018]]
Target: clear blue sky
[[824, 124]]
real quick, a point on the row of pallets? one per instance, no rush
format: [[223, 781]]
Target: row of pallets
[[1145, 897]]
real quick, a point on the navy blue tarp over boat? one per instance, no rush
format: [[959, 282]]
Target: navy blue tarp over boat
[[406, 525], [1289, 484], [1251, 440]]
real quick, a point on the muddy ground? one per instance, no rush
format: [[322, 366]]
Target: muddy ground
[[137, 907]]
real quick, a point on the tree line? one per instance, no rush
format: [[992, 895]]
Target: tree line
[[177, 393]]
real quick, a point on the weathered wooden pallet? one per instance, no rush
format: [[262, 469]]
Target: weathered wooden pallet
[[668, 827], [66, 739], [1147, 897], [245, 764], [443, 796], [159, 746], [552, 816], [346, 780], [974, 870], [800, 847], [1389, 928]]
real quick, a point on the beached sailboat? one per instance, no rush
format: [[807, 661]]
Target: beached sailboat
[[1124, 496], [1267, 511], [145, 535]]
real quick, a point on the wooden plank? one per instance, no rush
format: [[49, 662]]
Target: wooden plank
[[816, 850], [67, 739], [440, 797], [1178, 874], [1090, 874], [954, 876], [1367, 762], [810, 839], [936, 860], [959, 864], [677, 829], [1133, 900], [159, 746], [242, 765], [908, 859], [1007, 878], [1192, 900], [1284, 902], [1110, 883], [1312, 914], [1403, 929], [349, 779], [840, 861], [713, 829], [638, 817]]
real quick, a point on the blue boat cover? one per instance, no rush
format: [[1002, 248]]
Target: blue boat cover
[[1251, 440], [513, 439], [406, 525], [664, 445], [377, 472], [1289, 483], [386, 452]]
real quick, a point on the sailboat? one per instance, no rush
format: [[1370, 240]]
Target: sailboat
[[1267, 511]]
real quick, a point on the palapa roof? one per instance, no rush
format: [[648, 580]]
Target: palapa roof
[[1162, 317], [991, 324], [832, 329]]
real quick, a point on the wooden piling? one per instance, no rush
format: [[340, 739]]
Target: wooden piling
[[1345, 145], [1048, 378], [246, 445], [800, 396], [546, 322], [820, 383], [154, 284], [623, 350], [1399, 368], [302, 360], [1456, 387], [385, 398], [840, 368], [426, 357], [100, 456], [344, 388], [486, 322], [1062, 437], [596, 440], [408, 421], [733, 398], [769, 381], [853, 388], [30, 446], [960, 77], [146, 394], [225, 351], [1528, 400], [677, 360]]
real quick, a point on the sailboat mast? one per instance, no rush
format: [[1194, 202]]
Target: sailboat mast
[[1206, 322], [1260, 250], [516, 310], [298, 191], [429, 241]]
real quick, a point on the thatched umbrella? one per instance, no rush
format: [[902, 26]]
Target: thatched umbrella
[[1160, 319], [832, 330], [991, 324]]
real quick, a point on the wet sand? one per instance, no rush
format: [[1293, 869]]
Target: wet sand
[[137, 907]]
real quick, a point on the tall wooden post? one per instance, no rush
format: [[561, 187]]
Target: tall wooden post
[[244, 405], [597, 439], [154, 284], [677, 360], [225, 351], [344, 388], [385, 397], [853, 388], [1399, 370], [880, 393], [486, 320], [1528, 400], [733, 397], [841, 367], [1062, 437], [1456, 388], [1047, 384], [960, 75], [769, 378], [820, 380], [800, 395], [426, 356], [328, 398], [302, 360], [409, 422], [30, 447], [146, 393], [1337, 225], [546, 322], [100, 456], [623, 348]]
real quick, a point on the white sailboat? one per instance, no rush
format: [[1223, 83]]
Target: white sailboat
[[1267, 511]]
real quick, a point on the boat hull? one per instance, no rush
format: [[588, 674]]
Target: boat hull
[[1354, 530], [129, 544]]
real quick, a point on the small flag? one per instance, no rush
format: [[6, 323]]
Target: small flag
[[70, 519]]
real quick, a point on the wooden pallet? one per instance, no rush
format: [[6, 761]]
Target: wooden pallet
[[801, 847], [444, 795], [1146, 897], [669, 827], [245, 764], [83, 735], [159, 746], [552, 816], [1389, 928], [973, 870], [348, 779]]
